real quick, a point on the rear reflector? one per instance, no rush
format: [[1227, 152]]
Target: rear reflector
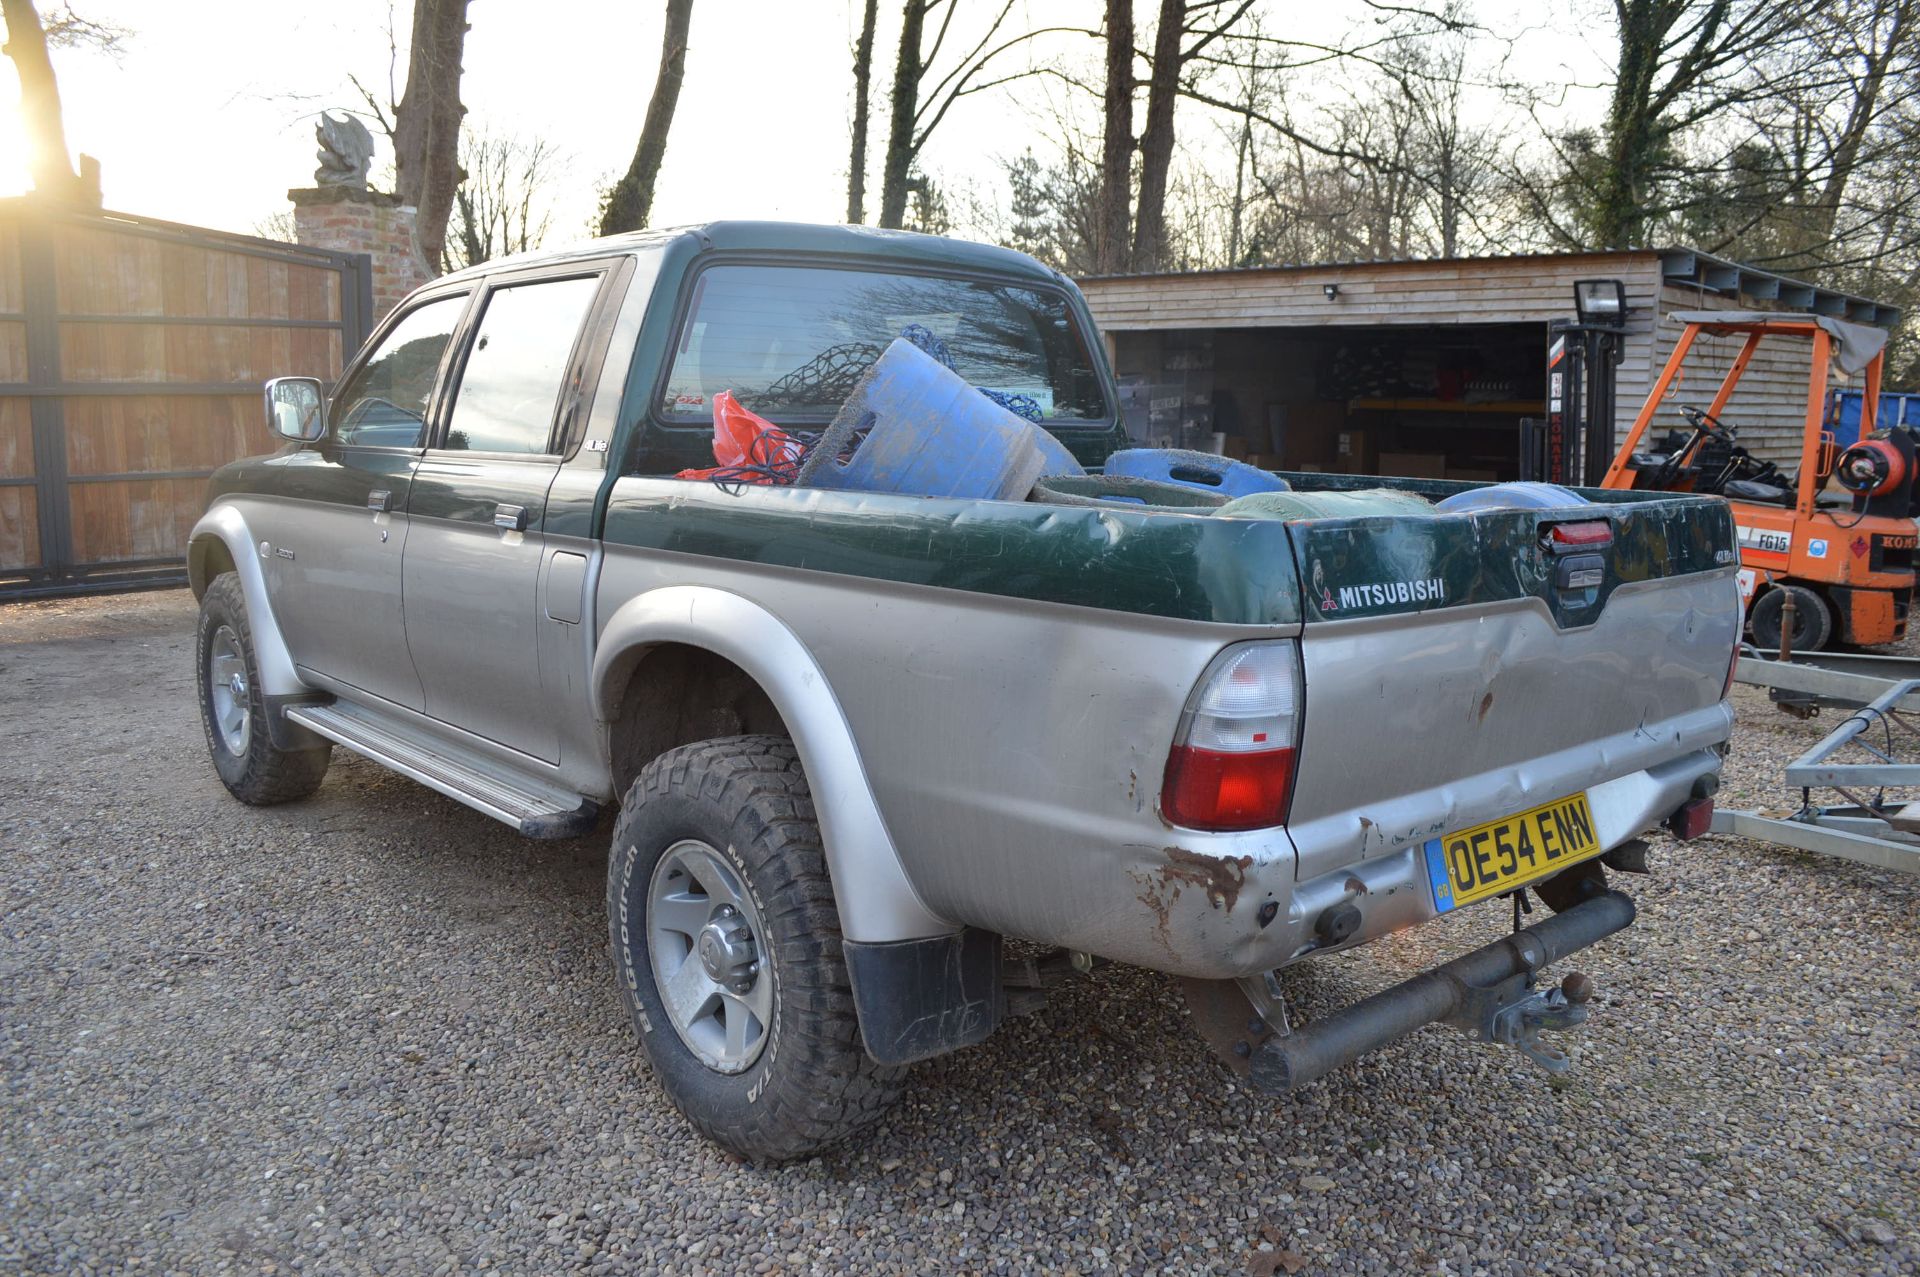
[[1206, 789], [1691, 821]]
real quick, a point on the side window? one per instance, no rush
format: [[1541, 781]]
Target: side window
[[384, 405], [516, 372]]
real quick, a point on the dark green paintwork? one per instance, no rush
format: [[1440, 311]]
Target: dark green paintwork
[[463, 489], [1184, 567], [320, 473], [1493, 556]]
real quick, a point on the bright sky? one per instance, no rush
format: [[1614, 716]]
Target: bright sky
[[206, 115]]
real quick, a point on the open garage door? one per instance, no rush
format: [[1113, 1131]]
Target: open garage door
[[1429, 401]]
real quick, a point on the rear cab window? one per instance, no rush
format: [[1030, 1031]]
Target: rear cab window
[[791, 341], [514, 378]]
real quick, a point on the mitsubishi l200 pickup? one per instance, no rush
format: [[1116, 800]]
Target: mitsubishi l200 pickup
[[858, 740]]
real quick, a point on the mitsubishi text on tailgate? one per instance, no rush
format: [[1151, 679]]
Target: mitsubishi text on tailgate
[[712, 538]]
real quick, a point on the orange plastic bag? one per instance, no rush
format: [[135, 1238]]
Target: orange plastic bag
[[749, 448]]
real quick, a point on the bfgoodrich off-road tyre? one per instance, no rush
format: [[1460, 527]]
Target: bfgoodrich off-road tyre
[[233, 710], [717, 867]]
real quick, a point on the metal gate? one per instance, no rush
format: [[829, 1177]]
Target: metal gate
[[131, 357]]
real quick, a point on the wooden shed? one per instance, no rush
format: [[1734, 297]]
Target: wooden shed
[[1428, 367]]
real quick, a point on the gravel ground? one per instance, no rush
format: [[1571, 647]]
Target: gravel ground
[[375, 1032]]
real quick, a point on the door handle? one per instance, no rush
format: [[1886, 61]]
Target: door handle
[[510, 518], [380, 501]]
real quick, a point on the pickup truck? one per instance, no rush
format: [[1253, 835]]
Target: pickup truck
[[857, 741]]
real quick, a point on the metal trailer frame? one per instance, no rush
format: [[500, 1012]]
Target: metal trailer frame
[[1884, 695]]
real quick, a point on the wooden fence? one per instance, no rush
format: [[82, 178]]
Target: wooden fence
[[131, 357]]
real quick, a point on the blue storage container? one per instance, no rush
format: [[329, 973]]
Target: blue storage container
[[1195, 470], [1896, 409], [928, 434], [1054, 456], [1525, 495]]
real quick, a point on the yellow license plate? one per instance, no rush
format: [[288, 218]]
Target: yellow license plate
[[1472, 864]]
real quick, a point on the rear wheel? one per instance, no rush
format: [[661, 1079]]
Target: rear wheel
[[233, 710], [1812, 620], [726, 943]]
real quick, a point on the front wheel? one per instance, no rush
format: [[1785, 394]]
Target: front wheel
[[726, 944], [1812, 622], [233, 711]]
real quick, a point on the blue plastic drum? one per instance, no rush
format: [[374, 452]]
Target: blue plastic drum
[[1202, 470], [1055, 459], [1510, 496], [928, 433]]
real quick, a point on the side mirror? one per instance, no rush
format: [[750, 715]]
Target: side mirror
[[293, 408]]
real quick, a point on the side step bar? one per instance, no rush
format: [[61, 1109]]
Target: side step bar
[[1487, 992], [537, 810]]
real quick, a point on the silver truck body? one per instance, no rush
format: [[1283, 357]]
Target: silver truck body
[[981, 757]]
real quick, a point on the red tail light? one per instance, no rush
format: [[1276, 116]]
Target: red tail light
[[1232, 763], [1210, 790]]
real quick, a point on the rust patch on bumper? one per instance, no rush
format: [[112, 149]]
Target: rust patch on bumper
[[1220, 876]]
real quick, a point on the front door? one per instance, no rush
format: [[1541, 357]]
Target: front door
[[475, 546], [332, 545]]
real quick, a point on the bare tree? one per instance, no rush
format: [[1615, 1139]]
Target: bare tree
[[862, 85], [1677, 62], [501, 206], [427, 119], [28, 39], [1811, 168], [1115, 209], [277, 225], [918, 107], [1205, 21], [630, 202], [1192, 41]]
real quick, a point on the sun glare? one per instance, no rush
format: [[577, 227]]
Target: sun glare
[[13, 139]]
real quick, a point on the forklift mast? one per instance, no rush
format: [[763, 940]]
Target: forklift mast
[[1575, 442]]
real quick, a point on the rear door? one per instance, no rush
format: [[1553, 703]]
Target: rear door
[[332, 547], [478, 501]]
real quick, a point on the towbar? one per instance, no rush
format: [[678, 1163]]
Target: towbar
[[1488, 992]]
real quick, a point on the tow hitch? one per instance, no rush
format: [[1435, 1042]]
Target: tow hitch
[[1513, 1015], [1490, 993]]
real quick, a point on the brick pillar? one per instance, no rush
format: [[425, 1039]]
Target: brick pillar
[[351, 220]]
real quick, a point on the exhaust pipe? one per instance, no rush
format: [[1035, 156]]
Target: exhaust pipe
[[1486, 992]]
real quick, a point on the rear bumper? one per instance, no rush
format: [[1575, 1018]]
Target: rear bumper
[[1226, 906], [1392, 891], [1221, 906]]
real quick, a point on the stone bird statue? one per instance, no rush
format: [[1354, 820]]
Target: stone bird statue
[[346, 152]]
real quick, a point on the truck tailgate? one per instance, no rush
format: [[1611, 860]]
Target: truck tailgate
[[1455, 673]]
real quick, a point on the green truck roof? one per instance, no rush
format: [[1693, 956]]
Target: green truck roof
[[800, 237]]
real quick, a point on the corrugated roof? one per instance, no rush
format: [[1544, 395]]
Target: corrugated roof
[[1685, 266]]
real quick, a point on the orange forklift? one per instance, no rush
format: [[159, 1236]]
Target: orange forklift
[[1826, 552]]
